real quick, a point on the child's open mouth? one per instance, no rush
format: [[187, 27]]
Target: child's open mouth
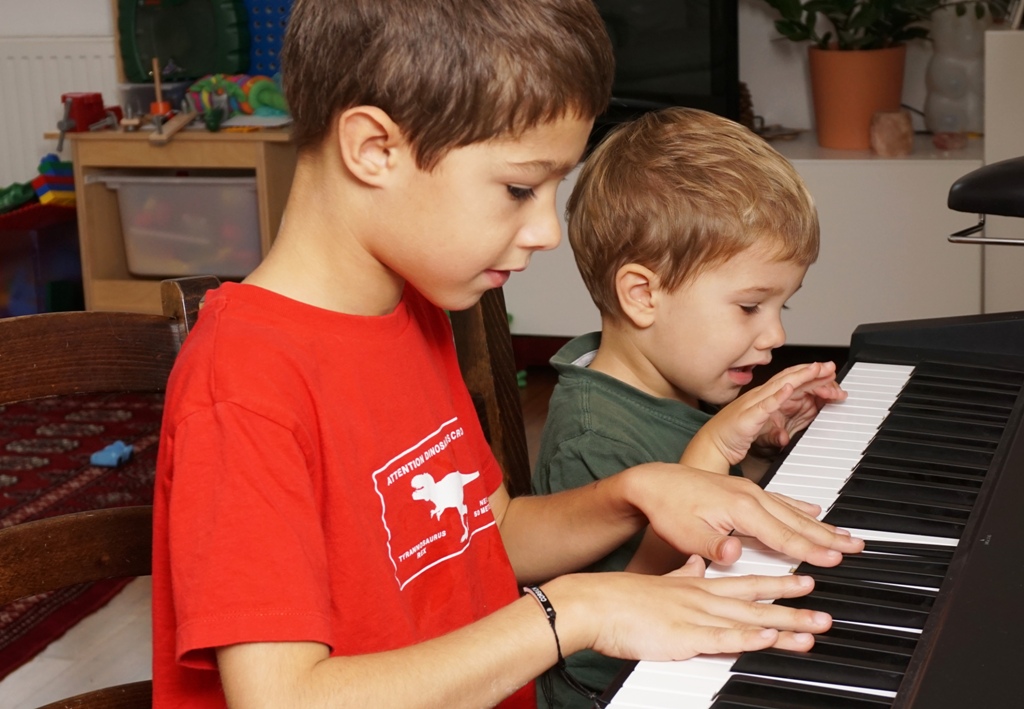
[[742, 375]]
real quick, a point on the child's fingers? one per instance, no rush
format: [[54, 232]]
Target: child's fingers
[[808, 508], [694, 567], [709, 616]]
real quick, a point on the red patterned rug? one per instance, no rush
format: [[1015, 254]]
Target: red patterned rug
[[44, 470]]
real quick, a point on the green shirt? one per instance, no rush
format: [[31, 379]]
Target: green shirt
[[596, 427]]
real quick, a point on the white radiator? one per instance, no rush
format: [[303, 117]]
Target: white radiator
[[34, 72]]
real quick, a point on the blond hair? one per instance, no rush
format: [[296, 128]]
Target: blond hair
[[448, 72], [680, 191]]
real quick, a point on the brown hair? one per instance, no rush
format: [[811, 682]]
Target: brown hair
[[448, 72], [680, 191]]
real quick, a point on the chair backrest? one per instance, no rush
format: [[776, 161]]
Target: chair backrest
[[56, 354], [484, 345]]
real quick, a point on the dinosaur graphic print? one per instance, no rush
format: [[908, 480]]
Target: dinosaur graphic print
[[433, 500]]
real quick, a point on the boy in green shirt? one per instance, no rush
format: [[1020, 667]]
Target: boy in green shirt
[[691, 233]]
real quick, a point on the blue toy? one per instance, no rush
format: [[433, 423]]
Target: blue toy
[[115, 454]]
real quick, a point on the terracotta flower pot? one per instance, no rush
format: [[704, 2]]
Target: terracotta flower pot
[[849, 87]]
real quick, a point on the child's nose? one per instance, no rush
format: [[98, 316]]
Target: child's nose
[[773, 336], [544, 232]]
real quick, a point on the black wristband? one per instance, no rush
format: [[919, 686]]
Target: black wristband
[[574, 684], [549, 611]]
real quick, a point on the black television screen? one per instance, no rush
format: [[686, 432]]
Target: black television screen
[[671, 53]]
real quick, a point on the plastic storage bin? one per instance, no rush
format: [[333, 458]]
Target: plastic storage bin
[[184, 226]]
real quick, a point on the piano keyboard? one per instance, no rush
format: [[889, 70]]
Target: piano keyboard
[[899, 463]]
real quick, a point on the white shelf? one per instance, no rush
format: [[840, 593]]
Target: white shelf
[[805, 147]]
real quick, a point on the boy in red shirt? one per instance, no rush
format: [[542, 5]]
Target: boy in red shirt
[[331, 528]]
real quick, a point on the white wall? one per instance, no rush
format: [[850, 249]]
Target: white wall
[[56, 18]]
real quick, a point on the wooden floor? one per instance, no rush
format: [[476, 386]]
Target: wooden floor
[[114, 645]]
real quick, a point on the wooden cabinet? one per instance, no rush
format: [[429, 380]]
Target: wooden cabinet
[[108, 284]]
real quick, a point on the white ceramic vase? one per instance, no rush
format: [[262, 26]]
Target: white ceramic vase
[[956, 71]]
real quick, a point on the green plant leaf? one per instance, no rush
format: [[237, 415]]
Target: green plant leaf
[[869, 24]]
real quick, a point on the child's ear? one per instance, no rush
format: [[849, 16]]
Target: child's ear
[[635, 287], [368, 141]]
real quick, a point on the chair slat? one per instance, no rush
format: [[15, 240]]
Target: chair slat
[[484, 345], [135, 695], [74, 548]]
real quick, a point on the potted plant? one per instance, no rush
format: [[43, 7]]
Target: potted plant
[[857, 55]]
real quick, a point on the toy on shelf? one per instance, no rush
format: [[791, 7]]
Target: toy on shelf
[[159, 107], [55, 183], [219, 97], [117, 453], [85, 111], [166, 120]]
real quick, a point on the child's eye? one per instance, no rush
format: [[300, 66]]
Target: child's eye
[[520, 193], [751, 309]]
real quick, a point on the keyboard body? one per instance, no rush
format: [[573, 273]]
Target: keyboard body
[[966, 640]]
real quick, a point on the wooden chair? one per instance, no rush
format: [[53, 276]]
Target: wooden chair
[[484, 345], [56, 354]]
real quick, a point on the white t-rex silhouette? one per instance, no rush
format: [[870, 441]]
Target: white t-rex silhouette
[[446, 493]]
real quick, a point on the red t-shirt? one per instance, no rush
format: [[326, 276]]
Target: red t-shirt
[[321, 477]]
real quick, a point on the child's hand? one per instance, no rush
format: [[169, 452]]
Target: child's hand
[[796, 411], [682, 614], [696, 511], [767, 415]]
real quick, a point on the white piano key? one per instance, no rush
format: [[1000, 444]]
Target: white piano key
[[822, 498], [839, 459], [818, 442], [686, 684], [882, 369], [875, 535], [849, 418]]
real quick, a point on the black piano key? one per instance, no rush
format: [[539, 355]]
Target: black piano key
[[850, 655], [951, 512], [958, 394], [1006, 380], [967, 481], [842, 663], [863, 602], [884, 568], [883, 515], [957, 427], [937, 438], [887, 638], [865, 485], [917, 407], [743, 692], [938, 467], [922, 551], [929, 400], [926, 452]]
